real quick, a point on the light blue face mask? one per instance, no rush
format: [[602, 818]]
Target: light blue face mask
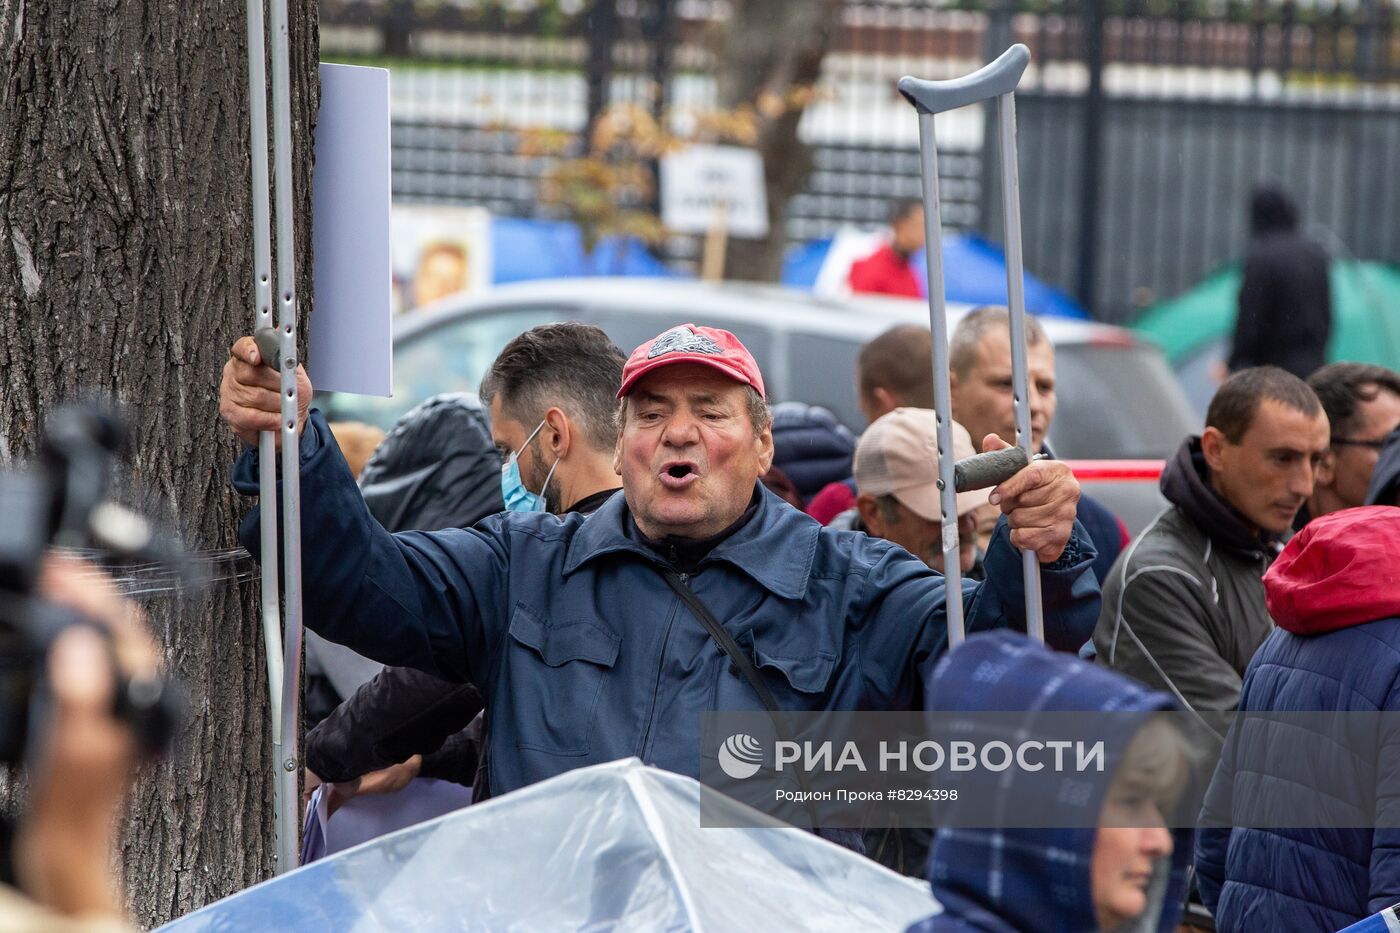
[[517, 497]]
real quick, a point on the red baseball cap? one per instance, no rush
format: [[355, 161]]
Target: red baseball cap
[[688, 343]]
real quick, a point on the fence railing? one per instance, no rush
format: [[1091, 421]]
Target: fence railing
[[1144, 123]]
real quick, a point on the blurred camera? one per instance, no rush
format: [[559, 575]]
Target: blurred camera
[[61, 499]]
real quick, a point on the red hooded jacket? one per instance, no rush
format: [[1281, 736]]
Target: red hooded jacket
[[1341, 570]]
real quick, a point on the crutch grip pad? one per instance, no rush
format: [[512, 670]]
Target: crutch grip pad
[[269, 347], [989, 469], [992, 80]]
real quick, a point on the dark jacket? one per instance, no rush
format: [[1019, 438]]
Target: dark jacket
[[1183, 608], [1033, 880], [405, 712], [1385, 482], [1335, 593], [811, 447], [1285, 300], [437, 468], [585, 655]]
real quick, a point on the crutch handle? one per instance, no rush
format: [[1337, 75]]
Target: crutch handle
[[269, 347], [989, 469], [992, 80]]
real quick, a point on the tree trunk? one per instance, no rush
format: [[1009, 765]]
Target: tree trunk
[[125, 271], [771, 49]]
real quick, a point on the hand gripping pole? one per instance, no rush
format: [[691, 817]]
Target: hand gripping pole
[[279, 616], [996, 80]]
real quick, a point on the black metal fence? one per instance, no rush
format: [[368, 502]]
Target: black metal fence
[[1143, 123]]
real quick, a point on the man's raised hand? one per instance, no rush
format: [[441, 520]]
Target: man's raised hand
[[1039, 503], [250, 394]]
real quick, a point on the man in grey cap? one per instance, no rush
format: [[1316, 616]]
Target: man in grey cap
[[896, 475]]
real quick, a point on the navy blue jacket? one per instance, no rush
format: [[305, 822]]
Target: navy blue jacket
[[586, 656], [1335, 594], [1010, 880]]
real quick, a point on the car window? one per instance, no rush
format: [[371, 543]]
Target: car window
[[822, 371], [1117, 402], [449, 358], [630, 329]]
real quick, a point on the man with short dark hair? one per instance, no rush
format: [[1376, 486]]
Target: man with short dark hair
[[550, 392], [893, 370], [587, 635], [890, 269], [554, 385], [1183, 607], [1363, 406]]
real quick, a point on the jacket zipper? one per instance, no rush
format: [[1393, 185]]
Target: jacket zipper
[[656, 687]]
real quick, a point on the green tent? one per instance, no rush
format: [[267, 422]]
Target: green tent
[[1365, 314]]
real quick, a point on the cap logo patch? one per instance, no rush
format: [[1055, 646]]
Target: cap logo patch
[[681, 340]]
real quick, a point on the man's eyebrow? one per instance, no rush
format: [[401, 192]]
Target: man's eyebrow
[[644, 396]]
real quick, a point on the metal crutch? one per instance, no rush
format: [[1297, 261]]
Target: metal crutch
[[999, 80], [283, 662]]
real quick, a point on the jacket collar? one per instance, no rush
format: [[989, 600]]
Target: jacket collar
[[775, 547]]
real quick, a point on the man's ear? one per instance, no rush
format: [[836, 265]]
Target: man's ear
[[870, 515], [764, 440], [885, 400], [558, 432], [1326, 473], [1213, 443]]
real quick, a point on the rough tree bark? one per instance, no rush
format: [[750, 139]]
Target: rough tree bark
[[125, 269], [770, 49]]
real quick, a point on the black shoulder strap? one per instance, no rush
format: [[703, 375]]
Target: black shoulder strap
[[740, 661]]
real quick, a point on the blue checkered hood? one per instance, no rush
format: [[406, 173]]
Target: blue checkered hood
[[1036, 879]]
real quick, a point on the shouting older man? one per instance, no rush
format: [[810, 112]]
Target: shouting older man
[[591, 637]]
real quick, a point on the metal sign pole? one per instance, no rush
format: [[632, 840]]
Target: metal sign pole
[[283, 656], [267, 440], [288, 788], [996, 80]]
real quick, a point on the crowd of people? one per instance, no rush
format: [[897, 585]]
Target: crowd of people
[[571, 566], [658, 541]]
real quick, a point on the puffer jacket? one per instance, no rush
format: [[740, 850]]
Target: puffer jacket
[[811, 447], [1335, 593], [1031, 880], [1183, 607]]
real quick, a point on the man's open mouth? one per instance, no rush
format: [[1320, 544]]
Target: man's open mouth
[[679, 474]]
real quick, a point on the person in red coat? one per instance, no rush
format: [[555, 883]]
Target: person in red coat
[[890, 270]]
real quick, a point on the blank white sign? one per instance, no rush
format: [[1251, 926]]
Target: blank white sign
[[351, 338]]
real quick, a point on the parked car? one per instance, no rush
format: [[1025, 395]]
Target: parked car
[[1117, 397]]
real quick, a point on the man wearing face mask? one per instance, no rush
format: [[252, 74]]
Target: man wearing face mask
[[551, 397], [550, 393]]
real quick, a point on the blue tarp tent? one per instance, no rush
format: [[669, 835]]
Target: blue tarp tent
[[974, 272], [549, 249]]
